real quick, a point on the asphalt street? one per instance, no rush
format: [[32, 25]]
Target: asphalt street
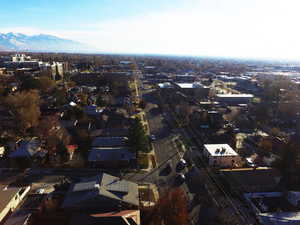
[[165, 175]]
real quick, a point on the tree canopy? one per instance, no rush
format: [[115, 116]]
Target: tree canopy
[[25, 108], [171, 209], [138, 139]]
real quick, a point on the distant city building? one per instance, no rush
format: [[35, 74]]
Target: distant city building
[[125, 62], [119, 76], [185, 78], [57, 70], [21, 58], [195, 89]]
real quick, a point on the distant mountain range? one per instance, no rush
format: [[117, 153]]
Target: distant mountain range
[[40, 43]]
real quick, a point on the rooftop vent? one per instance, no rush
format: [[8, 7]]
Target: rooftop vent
[[223, 150]]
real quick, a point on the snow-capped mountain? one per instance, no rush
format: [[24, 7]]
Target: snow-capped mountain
[[41, 42]]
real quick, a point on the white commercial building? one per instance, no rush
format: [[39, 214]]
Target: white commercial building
[[190, 85], [221, 155], [21, 58]]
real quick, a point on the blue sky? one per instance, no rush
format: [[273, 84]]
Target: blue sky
[[66, 14], [234, 28]]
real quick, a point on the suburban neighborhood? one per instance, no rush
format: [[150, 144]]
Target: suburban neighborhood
[[104, 139]]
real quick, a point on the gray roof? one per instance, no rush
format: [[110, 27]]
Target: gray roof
[[109, 141], [85, 185], [111, 154], [90, 220], [101, 189], [26, 149], [79, 219]]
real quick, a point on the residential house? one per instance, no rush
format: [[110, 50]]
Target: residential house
[[25, 152], [120, 157], [10, 198], [20, 217], [27, 211], [124, 217], [110, 152], [109, 132], [109, 141], [93, 110], [102, 193]]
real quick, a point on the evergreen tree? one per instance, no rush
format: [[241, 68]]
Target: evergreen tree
[[138, 139]]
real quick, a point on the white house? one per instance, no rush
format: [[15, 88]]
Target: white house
[[221, 155]]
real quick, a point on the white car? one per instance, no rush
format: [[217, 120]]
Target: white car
[[181, 177], [182, 162]]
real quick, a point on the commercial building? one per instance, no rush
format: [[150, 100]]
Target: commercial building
[[275, 207], [195, 89], [234, 99], [57, 70], [260, 179], [185, 78], [20, 58], [221, 155]]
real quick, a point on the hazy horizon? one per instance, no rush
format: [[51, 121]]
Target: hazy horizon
[[249, 29]]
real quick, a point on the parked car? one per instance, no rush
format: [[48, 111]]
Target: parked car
[[182, 162], [181, 165], [180, 178], [152, 137]]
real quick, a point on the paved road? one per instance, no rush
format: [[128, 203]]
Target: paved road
[[166, 152], [168, 156]]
